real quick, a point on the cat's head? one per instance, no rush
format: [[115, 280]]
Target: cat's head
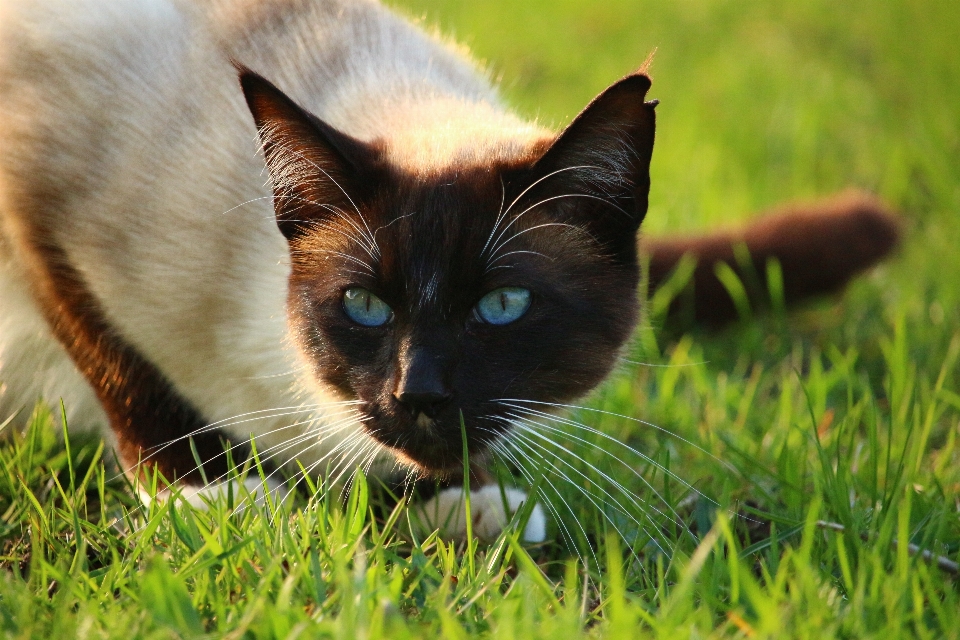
[[433, 297]]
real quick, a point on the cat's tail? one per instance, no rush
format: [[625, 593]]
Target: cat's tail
[[819, 247]]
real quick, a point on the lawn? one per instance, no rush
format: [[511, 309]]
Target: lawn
[[792, 476]]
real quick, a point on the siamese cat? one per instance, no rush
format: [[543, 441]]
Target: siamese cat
[[310, 224]]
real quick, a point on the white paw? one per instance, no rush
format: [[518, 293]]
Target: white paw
[[253, 491], [489, 514], [200, 497]]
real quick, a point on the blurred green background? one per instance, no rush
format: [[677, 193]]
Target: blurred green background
[[761, 102]]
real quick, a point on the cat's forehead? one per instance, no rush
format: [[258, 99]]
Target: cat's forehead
[[433, 230], [455, 135]]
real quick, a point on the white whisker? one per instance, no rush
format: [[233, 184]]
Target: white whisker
[[493, 257], [503, 214], [342, 448], [662, 365], [500, 447], [641, 507], [606, 436], [667, 432], [261, 414], [286, 179]]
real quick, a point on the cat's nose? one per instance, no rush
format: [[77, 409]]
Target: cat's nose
[[425, 402], [422, 387]]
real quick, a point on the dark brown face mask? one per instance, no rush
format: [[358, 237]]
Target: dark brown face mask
[[431, 299]]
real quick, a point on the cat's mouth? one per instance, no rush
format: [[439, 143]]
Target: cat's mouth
[[432, 445], [424, 421]]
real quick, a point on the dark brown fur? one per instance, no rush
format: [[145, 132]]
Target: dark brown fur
[[144, 409], [576, 254]]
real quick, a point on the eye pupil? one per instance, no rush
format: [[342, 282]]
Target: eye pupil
[[503, 301]]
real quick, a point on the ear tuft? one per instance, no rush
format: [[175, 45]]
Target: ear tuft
[[316, 170], [644, 69]]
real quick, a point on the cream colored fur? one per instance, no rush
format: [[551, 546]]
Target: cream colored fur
[[131, 111]]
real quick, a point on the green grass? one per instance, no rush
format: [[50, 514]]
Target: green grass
[[847, 412]]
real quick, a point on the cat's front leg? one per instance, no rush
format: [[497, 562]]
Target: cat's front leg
[[490, 511]]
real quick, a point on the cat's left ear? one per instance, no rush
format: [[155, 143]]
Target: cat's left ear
[[317, 172], [604, 156]]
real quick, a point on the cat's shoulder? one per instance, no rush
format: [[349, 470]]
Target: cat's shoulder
[[63, 26]]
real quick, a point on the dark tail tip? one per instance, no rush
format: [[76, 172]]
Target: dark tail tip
[[820, 247], [857, 225]]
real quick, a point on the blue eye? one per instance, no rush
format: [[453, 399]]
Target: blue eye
[[503, 306], [366, 309]]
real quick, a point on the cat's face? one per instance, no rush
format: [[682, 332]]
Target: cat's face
[[431, 297]]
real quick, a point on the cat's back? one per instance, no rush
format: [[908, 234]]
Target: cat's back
[[354, 63], [73, 72], [373, 74]]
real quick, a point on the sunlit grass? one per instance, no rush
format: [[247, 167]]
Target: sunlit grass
[[782, 465]]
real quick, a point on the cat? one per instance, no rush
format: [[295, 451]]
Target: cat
[[402, 255]]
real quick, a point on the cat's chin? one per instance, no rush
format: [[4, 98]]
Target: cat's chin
[[430, 447], [442, 462], [449, 469]]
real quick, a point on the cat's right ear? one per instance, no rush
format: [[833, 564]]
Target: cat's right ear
[[602, 161], [318, 173]]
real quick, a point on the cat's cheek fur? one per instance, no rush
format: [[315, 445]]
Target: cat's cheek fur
[[489, 514]]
